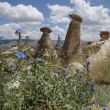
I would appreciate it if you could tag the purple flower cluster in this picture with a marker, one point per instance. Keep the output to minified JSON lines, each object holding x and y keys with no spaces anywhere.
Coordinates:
{"x":104,"y":108}
{"x":38,"y":59}
{"x":18,"y":31}
{"x":95,"y":101}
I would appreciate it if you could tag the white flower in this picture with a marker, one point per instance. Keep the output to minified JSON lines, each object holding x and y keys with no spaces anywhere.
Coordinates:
{"x":14,"y":84}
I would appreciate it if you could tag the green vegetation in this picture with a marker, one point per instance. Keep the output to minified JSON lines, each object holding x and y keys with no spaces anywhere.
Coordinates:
{"x":38,"y":84}
{"x":43,"y":84}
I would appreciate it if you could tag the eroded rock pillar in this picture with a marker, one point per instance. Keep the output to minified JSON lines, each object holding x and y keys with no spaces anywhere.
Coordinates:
{"x":71,"y":45}
{"x":104,"y":35}
{"x":45,"y":44}
{"x":58,"y":44}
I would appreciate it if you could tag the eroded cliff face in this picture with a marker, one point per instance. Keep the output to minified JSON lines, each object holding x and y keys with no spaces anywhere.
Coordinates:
{"x":102,"y":54}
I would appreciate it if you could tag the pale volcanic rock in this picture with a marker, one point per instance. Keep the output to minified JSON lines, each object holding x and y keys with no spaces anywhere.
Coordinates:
{"x":102,"y":53}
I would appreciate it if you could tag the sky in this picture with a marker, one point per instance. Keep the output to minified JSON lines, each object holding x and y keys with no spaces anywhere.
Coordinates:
{"x":31,"y":15}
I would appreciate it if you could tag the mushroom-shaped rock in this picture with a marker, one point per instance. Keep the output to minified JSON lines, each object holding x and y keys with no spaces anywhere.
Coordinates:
{"x":72,"y":42}
{"x":104,"y":35}
{"x":45,"y":44}
{"x":45,"y":30}
{"x":75,"y":17}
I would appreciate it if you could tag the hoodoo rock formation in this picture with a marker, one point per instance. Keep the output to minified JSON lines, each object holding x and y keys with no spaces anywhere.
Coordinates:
{"x":58,"y":44}
{"x":45,"y":44}
{"x":72,"y":42}
{"x":104,"y":35}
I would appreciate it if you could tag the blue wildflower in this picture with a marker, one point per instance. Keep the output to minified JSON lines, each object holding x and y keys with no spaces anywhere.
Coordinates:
{"x":96,"y":102}
{"x":20,"y":55}
{"x":18,"y":31}
{"x":68,"y":78}
{"x":39,"y":59}
{"x":30,"y":61}
{"x":104,"y":108}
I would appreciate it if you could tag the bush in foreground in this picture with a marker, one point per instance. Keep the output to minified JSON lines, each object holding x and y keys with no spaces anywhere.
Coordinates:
{"x":39,"y":85}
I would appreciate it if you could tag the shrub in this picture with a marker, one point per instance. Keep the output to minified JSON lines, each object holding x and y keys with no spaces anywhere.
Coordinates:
{"x":44,"y":86}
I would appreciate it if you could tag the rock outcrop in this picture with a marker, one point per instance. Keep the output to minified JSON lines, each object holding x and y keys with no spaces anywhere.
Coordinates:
{"x":102,"y":54}
{"x":72,"y":42}
{"x":44,"y":45}
{"x":104,"y":35}
{"x":58,"y":44}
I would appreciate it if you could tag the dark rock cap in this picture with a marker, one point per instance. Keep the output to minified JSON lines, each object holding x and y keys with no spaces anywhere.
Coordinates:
{"x":104,"y":34}
{"x":76,"y":17}
{"x":45,"y":29}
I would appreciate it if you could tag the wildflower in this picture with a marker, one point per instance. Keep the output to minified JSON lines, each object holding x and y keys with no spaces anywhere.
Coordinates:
{"x":95,"y":101}
{"x":18,"y":31}
{"x":20,"y":55}
{"x":5,"y":75}
{"x":77,"y":70}
{"x":56,"y":73}
{"x":104,"y":108}
{"x":14,"y":84}
{"x":29,"y":67}
{"x":91,"y":86}
{"x":13,"y":68}
{"x":65,"y":70}
{"x":39,"y":59}
{"x":93,"y":89}
{"x":30,"y":61}
{"x":68,"y":78}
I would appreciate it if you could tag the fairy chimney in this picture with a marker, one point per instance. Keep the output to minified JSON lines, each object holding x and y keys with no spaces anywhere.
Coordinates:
{"x":44,"y":44}
{"x":104,"y":35}
{"x":72,"y":42}
{"x":58,"y":44}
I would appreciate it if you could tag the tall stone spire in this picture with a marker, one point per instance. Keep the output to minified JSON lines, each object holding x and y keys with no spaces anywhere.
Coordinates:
{"x":58,"y":44}
{"x":72,"y":42}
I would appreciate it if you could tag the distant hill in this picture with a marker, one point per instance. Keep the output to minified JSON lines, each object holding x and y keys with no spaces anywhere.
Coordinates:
{"x":6,"y":44}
